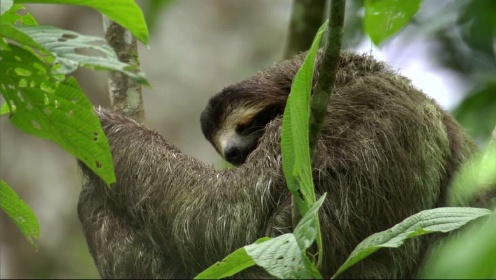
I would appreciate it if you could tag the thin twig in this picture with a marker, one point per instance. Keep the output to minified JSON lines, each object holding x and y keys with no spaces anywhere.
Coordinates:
{"x":327,"y":71}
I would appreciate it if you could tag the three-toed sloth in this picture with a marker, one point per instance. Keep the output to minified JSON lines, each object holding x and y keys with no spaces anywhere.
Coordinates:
{"x":386,"y":151}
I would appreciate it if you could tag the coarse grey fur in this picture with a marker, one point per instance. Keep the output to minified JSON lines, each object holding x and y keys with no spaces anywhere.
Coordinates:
{"x":386,"y":152}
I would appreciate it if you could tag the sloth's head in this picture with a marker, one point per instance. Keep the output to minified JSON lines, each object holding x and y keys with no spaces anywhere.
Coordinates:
{"x":234,"y":119}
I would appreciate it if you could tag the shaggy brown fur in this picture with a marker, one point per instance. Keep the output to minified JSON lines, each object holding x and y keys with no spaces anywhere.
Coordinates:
{"x":386,"y":152}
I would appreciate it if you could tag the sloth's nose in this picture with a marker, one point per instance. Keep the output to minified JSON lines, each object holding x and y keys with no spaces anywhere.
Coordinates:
{"x":234,"y":155}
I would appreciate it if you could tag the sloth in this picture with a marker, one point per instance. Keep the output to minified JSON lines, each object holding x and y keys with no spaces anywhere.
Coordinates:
{"x":386,"y":151}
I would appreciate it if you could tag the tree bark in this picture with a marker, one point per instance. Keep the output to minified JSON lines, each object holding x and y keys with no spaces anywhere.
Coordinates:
{"x":125,"y":94}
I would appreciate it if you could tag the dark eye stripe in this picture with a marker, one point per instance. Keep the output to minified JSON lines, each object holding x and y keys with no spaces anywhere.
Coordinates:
{"x":259,"y":121}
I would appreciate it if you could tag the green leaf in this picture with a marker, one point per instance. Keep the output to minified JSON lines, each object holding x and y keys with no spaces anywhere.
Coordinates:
{"x":477,"y":111}
{"x":22,"y":215}
{"x":477,"y":26}
{"x":17,"y":15}
{"x":471,"y":255}
{"x":295,"y":148}
{"x":235,"y":262}
{"x":306,"y":230}
{"x":230,"y":265}
{"x":64,"y":43}
{"x":49,"y":109}
{"x":4,"y":110}
{"x":5,"y":5}
{"x":124,"y":12}
{"x":476,"y":176}
{"x":282,"y":258}
{"x":12,"y":32}
{"x":383,"y":18}
{"x":435,"y":220}
{"x":294,"y":143}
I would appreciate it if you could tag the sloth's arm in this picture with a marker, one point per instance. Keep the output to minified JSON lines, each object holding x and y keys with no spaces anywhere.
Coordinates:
{"x":171,"y":201}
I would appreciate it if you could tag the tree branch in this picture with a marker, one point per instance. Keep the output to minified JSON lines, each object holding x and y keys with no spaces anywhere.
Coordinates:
{"x":327,"y":71}
{"x":306,"y":18}
{"x":125,"y":94}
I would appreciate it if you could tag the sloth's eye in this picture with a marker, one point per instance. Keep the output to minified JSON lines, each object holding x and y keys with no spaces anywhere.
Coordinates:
{"x":259,"y":121}
{"x":249,"y":127}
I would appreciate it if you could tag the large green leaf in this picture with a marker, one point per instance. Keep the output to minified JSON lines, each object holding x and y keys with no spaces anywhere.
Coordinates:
{"x":16,"y":15}
{"x":124,"y":12}
{"x":306,"y":230}
{"x":428,"y":221}
{"x":281,"y":257}
{"x":235,"y":262}
{"x":63,"y":44}
{"x":19,"y":212}
{"x":294,"y":143}
{"x":478,"y":27}
{"x":9,"y":31}
{"x":478,"y":111}
{"x":295,"y":148}
{"x":383,"y":18}
{"x":54,"y":110}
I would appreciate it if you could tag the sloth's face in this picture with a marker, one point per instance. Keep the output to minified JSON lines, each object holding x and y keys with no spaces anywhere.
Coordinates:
{"x":237,"y":132}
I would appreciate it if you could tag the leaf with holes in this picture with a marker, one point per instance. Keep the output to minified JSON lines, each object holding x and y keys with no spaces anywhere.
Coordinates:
{"x":16,"y":15}
{"x":235,"y":262}
{"x":282,"y":258}
{"x":124,"y":12}
{"x":63,"y":44}
{"x":306,"y":230}
{"x":49,"y":109}
{"x":22,"y":215}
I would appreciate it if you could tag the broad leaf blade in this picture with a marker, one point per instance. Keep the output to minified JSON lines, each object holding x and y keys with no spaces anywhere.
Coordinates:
{"x":22,"y":215}
{"x":235,"y":262}
{"x":63,"y":44}
{"x":53,"y":110}
{"x":306,"y":230}
{"x":477,"y":110}
{"x":281,"y":258}
{"x":428,"y":221}
{"x":10,"y":31}
{"x":17,"y":15}
{"x":294,"y":144}
{"x":124,"y":12}
{"x":383,"y":18}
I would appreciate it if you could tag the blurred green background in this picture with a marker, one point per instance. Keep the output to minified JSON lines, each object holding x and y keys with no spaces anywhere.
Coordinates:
{"x":197,"y":48}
